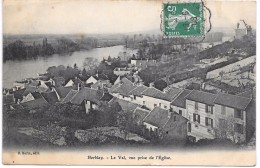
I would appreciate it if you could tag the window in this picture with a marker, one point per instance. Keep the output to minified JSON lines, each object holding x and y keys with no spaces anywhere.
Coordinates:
{"x":123,"y":97}
{"x":196,"y":106}
{"x":239,"y":114}
{"x":223,"y":110}
{"x":209,"y":122}
{"x":134,"y":97}
{"x":209,"y":109}
{"x":160,"y":104}
{"x":143,"y":102}
{"x":131,"y":99}
{"x":239,"y":128}
{"x":171,"y":110}
{"x":180,"y":112}
{"x":155,"y":105}
{"x":196,"y":118}
{"x":165,"y":107}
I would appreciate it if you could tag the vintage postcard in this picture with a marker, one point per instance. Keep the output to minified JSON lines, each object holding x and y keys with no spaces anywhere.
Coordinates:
{"x":163,"y":82}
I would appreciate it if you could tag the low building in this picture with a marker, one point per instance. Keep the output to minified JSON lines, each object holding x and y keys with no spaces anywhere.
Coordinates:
{"x":167,"y":125}
{"x":92,"y":80}
{"x":141,"y":64}
{"x":123,"y":71}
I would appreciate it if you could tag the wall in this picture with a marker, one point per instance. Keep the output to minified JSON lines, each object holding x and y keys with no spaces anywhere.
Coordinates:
{"x":176,"y":109}
{"x":27,"y":98}
{"x":149,"y":126}
{"x":200,"y":130}
{"x":150,"y":101}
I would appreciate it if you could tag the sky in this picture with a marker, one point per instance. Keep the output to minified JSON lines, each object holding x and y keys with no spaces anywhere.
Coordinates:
{"x":107,"y":16}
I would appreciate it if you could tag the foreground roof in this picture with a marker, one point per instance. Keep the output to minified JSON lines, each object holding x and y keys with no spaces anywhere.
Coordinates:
{"x":157,"y":117}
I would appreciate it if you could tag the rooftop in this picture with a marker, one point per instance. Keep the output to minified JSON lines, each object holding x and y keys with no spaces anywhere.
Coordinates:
{"x":180,"y":100}
{"x":202,"y":97}
{"x":86,"y":94}
{"x":233,"y":101}
{"x":50,"y":97}
{"x":158,"y":117}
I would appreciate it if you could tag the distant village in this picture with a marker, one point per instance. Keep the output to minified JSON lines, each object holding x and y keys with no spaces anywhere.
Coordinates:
{"x":191,"y":108}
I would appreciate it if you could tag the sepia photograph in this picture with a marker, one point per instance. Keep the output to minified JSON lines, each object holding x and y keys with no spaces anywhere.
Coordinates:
{"x":126,"y":82}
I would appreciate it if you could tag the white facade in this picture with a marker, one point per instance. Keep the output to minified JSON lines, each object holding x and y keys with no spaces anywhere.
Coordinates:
{"x":179,"y":110}
{"x":91,"y":80}
{"x":69,"y":84}
{"x":199,"y":129}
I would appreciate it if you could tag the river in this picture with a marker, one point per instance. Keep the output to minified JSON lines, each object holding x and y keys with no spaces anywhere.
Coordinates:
{"x":18,"y":70}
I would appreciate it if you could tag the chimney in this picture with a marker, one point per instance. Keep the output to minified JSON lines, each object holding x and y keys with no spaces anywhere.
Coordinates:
{"x":78,"y":86}
{"x":151,"y":84}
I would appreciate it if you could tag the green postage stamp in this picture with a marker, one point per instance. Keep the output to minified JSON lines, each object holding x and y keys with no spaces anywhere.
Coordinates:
{"x":183,"y":19}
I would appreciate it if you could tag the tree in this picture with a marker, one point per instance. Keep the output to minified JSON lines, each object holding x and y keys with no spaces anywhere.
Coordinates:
{"x":160,"y":84}
{"x":225,"y":128}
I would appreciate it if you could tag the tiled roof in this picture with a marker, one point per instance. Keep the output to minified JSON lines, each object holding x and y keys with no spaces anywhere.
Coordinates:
{"x":63,"y":91}
{"x":158,"y":117}
{"x":100,"y":83}
{"x":124,"y":87}
{"x":69,"y":96}
{"x":31,"y":89}
{"x":232,"y":101}
{"x":126,"y":105}
{"x":86,"y":94}
{"x":180,"y":100}
{"x":138,"y":90}
{"x":247,"y":94}
{"x":16,"y":106}
{"x":35,"y":103}
{"x":179,"y":119}
{"x":50,"y":97}
{"x":36,"y":95}
{"x":202,"y":97}
{"x":106,"y":97}
{"x":140,"y":113}
{"x":172,"y":93}
{"x":153,"y":92}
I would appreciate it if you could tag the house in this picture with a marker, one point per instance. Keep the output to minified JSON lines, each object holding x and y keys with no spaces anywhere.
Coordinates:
{"x":75,"y":83}
{"x":167,"y":125}
{"x":87,"y":97}
{"x":123,"y":71}
{"x":121,"y":90}
{"x":92,"y":80}
{"x":62,"y":92}
{"x":136,"y":94}
{"x":139,"y":114}
{"x":141,"y":64}
{"x":101,"y":84}
{"x":126,"y":106}
{"x":33,"y":105}
{"x":30,"y":89}
{"x":175,"y":129}
{"x":153,"y":97}
{"x":200,"y":113}
{"x":178,"y":105}
{"x":31,"y":96}
{"x":50,"y":97}
{"x":156,"y":119}
{"x":232,"y":113}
